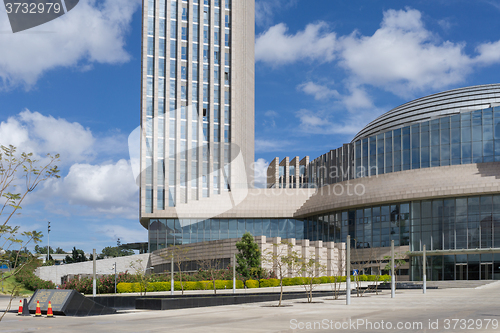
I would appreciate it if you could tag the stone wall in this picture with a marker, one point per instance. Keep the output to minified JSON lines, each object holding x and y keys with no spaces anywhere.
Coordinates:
{"x":103,"y":267}
{"x":330,"y":254}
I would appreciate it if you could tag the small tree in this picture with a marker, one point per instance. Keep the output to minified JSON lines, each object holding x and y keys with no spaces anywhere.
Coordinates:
{"x":337,"y":280}
{"x":310,"y":269}
{"x":179,"y":253}
{"x":284,"y":261}
{"x":362,"y":259}
{"x":399,"y":260}
{"x":13,"y":168}
{"x":140,"y":275}
{"x":210,"y":266}
{"x":378,"y":261}
{"x":249,"y":256}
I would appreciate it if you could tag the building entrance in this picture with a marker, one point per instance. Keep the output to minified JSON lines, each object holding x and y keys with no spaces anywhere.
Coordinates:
{"x":459,"y":267}
{"x":461,"y":272}
{"x":486,"y":271}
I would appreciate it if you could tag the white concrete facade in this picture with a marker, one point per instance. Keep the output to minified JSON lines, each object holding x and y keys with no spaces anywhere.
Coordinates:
{"x":197,"y":102}
{"x":330,"y":255}
{"x":103,"y":267}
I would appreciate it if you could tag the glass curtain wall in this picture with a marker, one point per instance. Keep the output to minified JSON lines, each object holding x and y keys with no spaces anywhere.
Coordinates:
{"x":168,"y":232}
{"x":469,"y":137}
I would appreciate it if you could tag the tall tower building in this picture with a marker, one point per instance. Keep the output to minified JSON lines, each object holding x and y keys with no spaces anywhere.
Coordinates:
{"x":197,"y":101}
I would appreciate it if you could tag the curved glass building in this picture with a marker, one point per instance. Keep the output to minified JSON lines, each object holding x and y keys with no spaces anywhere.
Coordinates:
{"x":425,"y":173}
{"x":450,"y":128}
{"x":429,"y":175}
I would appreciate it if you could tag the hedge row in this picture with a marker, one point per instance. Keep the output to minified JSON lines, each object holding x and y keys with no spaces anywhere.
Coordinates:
{"x":189,"y":285}
{"x":228,"y":284}
{"x":263,"y":283}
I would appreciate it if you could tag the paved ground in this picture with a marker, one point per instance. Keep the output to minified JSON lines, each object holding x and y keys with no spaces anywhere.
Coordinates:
{"x":472,"y":309}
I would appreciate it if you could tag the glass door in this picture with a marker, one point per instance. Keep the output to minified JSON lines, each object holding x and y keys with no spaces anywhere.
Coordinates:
{"x":486,"y":271}
{"x":461,"y":272}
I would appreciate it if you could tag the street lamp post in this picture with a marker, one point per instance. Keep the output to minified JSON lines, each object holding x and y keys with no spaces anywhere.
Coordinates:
{"x":115,"y":277}
{"x":172,"y":275}
{"x":94,"y":282}
{"x":393,"y":278}
{"x":48,"y":241}
{"x":234,"y":273}
{"x":424,"y":286}
{"x":348,"y":271}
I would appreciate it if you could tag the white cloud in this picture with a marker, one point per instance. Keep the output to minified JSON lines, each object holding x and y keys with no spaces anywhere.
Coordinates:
{"x":270,"y":118}
{"x":93,"y":32}
{"x":262,"y":145}
{"x":445,"y":24}
{"x":271,"y":114}
{"x":318,"y":91}
{"x":277,"y":47}
{"x":260,"y":172}
{"x":104,"y":189}
{"x":39,"y":134}
{"x":357,"y":100}
{"x":402,"y":56}
{"x":85,"y":188}
{"x":322,"y":122}
{"x":127,"y":234}
{"x":265,"y":9}
{"x":489,"y":53}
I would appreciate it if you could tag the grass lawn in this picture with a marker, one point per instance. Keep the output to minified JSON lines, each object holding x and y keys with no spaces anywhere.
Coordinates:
{"x":10,"y":283}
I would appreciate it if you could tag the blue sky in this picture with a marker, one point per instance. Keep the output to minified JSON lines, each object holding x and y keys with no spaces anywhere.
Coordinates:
{"x":324,"y":69}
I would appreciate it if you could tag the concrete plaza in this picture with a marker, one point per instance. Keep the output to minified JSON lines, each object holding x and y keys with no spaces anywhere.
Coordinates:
{"x":440,"y":310}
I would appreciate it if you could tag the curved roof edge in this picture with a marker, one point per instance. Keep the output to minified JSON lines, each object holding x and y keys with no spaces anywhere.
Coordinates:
{"x":434,"y":106}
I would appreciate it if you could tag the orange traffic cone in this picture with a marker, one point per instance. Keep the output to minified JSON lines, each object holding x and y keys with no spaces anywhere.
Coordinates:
{"x":49,"y":311}
{"x":20,"y":311}
{"x":38,"y":312}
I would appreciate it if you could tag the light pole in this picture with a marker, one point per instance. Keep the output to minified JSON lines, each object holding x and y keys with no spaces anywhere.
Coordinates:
{"x":393,"y":278}
{"x":48,"y":241}
{"x":172,"y":275}
{"x":424,"y":286}
{"x":348,"y":269}
{"x":94,"y":282}
{"x":234,"y":273}
{"x":115,"y":275}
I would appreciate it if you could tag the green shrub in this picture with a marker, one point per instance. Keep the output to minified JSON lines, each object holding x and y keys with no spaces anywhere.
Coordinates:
{"x":191,"y":285}
{"x":161,"y":286}
{"x":340,"y":278}
{"x":252,"y":284}
{"x":32,"y":282}
{"x":269,"y":283}
{"x":124,"y":287}
{"x":385,"y":278}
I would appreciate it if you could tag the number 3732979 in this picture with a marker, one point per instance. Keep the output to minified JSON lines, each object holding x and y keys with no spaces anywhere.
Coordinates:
{"x":33,"y":8}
